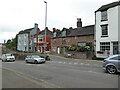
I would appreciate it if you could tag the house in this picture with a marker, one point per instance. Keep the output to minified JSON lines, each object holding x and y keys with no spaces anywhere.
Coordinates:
{"x":107,"y":30}
{"x":25,"y":40}
{"x":79,"y":36}
{"x":43,"y":42}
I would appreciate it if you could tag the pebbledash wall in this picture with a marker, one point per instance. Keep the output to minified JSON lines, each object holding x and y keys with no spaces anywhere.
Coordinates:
{"x":113,"y":23}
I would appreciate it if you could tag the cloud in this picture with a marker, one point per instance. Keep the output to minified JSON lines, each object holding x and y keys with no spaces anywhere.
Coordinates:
{"x":18,"y":15}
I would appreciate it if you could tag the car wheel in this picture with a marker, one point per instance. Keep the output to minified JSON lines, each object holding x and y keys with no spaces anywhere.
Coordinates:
{"x":35,"y":62}
{"x":111,"y":69}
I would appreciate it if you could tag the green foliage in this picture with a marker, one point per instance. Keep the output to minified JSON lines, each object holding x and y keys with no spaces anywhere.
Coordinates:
{"x":73,"y":47}
{"x":12,"y":44}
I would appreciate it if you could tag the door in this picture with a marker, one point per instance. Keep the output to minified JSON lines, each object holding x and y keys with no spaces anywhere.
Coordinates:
{"x":115,"y":48}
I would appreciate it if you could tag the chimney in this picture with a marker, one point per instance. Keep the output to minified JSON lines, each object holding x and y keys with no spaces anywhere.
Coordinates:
{"x":54,"y":30}
{"x":36,"y":25}
{"x":79,"y":22}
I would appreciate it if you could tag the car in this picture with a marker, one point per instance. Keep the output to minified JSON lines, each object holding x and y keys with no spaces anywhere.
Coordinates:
{"x":34,"y":59}
{"x":112,"y":64}
{"x":8,"y":57}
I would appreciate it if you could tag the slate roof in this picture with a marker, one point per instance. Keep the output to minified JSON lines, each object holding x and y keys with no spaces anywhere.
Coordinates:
{"x":82,"y":31}
{"x":25,"y":31}
{"x":48,"y":32}
{"x":74,"y":32}
{"x":105,"y":7}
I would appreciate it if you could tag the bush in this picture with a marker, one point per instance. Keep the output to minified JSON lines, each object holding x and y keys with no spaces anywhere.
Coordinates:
{"x":73,"y":47}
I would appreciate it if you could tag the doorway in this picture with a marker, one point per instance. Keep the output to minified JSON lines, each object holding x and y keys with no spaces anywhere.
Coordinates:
{"x":115,"y":48}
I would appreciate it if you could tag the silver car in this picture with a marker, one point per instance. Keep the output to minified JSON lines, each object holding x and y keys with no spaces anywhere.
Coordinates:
{"x":34,"y":59}
{"x":112,"y":64}
{"x":8,"y":57}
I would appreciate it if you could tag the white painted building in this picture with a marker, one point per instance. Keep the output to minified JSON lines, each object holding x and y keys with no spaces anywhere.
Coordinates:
{"x":107,"y":30}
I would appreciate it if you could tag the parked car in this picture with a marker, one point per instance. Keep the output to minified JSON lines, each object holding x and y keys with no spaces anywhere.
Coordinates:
{"x":8,"y":57}
{"x":34,"y":59}
{"x":112,"y":64}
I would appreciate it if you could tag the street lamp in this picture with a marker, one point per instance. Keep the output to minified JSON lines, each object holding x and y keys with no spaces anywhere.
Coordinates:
{"x":45,"y":24}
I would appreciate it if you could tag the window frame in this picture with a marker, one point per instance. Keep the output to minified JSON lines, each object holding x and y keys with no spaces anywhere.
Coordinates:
{"x":104,"y":30}
{"x":104,"y":15}
{"x":106,"y":46}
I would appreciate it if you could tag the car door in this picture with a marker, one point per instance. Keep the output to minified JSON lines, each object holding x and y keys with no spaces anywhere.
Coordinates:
{"x":31,"y":59}
{"x":28,"y":58}
{"x":118,"y":62}
{"x":3,"y":57}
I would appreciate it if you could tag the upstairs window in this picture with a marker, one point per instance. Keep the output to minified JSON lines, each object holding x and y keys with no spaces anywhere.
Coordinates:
{"x":104,"y":16}
{"x":104,"y":29}
{"x":64,"y":33}
{"x":55,"y":34}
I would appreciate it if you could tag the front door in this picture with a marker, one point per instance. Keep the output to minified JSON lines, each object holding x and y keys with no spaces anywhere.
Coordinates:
{"x":115,"y":48}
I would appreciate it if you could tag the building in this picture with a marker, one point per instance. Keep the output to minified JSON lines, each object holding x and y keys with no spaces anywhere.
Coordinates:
{"x":79,"y":36}
{"x":26,"y":39}
{"x":39,"y":40}
{"x":107,"y":30}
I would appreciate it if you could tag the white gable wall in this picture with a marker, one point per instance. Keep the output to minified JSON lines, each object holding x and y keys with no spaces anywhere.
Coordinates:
{"x":113,"y":29}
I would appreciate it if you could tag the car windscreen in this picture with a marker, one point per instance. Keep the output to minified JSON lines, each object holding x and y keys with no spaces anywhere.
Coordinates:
{"x":36,"y":56}
{"x":8,"y":55}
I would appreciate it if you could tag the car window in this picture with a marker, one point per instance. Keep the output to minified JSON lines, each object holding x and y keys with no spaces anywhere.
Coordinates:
{"x":28,"y":56}
{"x":35,"y":56}
{"x":115,"y":58}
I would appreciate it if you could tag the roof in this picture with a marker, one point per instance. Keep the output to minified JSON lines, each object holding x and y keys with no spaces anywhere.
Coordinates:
{"x":74,"y":32}
{"x":26,"y":31}
{"x":105,"y":7}
{"x":82,"y":31}
{"x":48,"y":32}
{"x":88,"y":30}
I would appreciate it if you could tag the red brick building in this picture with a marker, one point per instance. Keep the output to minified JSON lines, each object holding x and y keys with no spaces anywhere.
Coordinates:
{"x":39,"y":40}
{"x":66,"y":37}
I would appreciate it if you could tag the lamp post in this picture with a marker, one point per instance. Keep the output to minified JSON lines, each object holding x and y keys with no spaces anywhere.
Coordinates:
{"x":45,"y":25}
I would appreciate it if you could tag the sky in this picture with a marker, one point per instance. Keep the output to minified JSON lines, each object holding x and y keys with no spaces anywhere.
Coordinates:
{"x":17,"y":15}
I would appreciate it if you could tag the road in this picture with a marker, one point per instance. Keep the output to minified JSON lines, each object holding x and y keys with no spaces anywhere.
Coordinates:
{"x":58,"y":73}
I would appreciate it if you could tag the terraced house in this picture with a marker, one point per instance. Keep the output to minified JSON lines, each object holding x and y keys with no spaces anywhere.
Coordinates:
{"x":79,"y":36}
{"x":25,"y":40}
{"x":107,"y":30}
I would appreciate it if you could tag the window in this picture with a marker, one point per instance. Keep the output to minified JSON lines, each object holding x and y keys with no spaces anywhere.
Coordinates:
{"x":115,"y":58}
{"x":104,"y":30}
{"x":63,"y":41}
{"x":104,"y":15}
{"x":104,"y":46}
{"x":64,"y":33}
{"x":54,"y":41}
{"x":55,"y":34}
{"x":40,"y":38}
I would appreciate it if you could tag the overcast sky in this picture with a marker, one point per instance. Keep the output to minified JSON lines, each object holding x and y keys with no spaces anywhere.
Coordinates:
{"x":16,"y":15}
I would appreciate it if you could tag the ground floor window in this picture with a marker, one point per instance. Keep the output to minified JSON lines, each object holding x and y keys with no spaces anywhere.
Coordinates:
{"x":104,"y":46}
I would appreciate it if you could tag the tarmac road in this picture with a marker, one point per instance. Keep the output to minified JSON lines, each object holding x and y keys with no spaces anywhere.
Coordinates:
{"x":58,"y":73}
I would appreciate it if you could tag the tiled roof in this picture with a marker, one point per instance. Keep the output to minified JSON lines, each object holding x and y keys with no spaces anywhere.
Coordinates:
{"x":105,"y":7}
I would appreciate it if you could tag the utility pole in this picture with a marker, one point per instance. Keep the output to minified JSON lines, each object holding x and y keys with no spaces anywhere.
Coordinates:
{"x":45,"y":45}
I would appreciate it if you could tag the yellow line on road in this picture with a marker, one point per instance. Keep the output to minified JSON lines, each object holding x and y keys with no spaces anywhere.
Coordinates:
{"x":28,"y":77}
